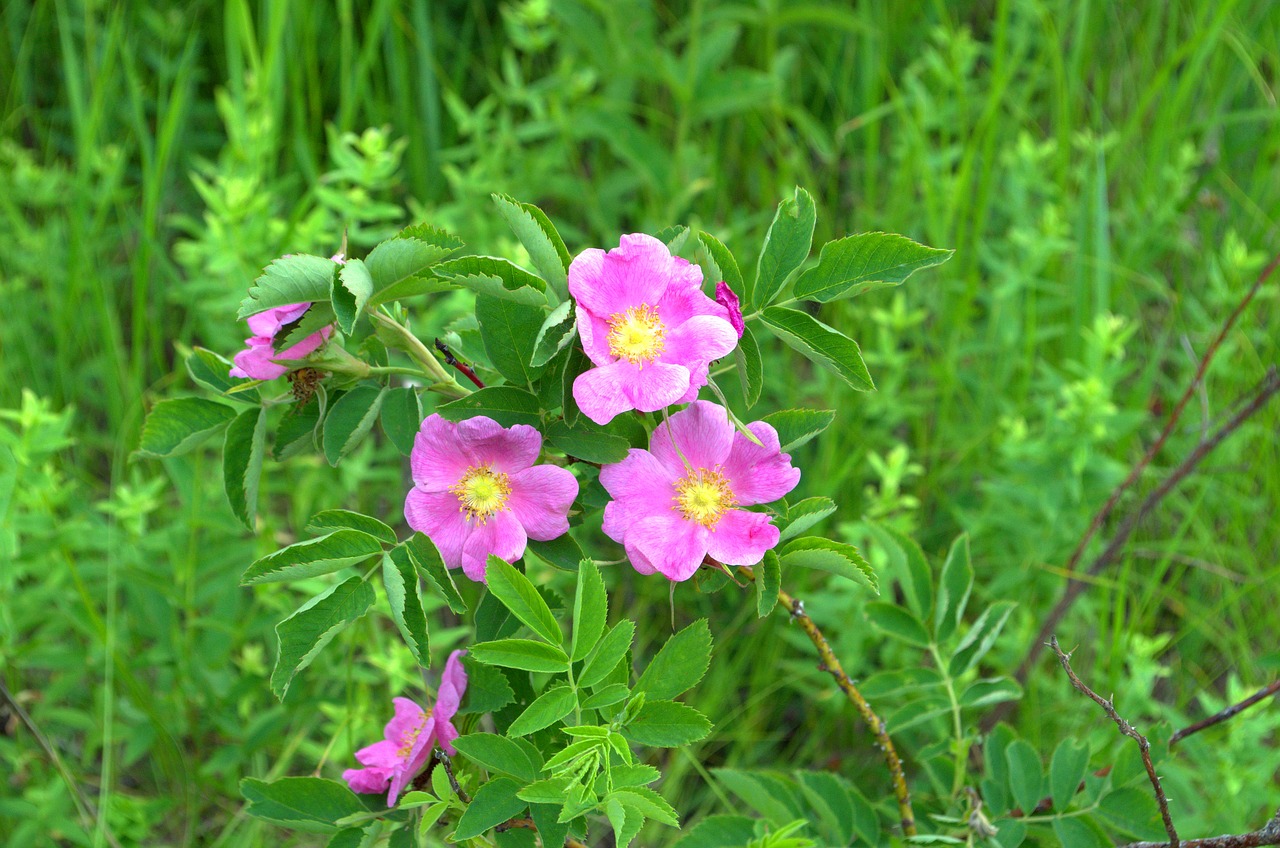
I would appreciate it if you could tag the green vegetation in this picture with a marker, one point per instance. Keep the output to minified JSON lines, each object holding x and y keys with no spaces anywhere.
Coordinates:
{"x":1106,"y":175}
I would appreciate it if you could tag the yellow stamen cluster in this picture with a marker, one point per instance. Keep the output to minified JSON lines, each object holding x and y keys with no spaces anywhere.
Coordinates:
{"x":407,"y":740}
{"x":704,"y":496}
{"x":482,"y":492}
{"x":637,"y":334}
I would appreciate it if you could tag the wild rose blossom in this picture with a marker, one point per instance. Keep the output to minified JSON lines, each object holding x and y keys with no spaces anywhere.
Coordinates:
{"x":477,"y":492}
{"x":726,"y":298}
{"x":678,"y":501}
{"x":410,"y":736}
{"x":256,"y":360}
{"x":646,"y":326}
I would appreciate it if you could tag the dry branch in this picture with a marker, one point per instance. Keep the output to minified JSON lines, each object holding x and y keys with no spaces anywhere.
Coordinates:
{"x":1223,"y":715}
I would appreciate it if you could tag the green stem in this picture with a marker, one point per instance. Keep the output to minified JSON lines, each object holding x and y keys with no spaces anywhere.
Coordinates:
{"x":418,"y":352}
{"x":957,"y":727}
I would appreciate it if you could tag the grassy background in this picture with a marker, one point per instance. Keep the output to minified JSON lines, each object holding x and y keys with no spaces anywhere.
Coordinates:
{"x":1106,"y":174}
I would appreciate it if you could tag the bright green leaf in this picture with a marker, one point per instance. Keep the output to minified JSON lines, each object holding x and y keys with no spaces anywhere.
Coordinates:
{"x":404,"y":595}
{"x":329,"y":520}
{"x":350,"y":420}
{"x":510,"y":332}
{"x":539,"y":237}
{"x":797,"y":426}
{"x":852,"y":265}
{"x":242,"y":454}
{"x":667,"y":724}
{"x":827,"y":555}
{"x":607,"y":654}
{"x":518,"y":594}
{"x":312,"y":557}
{"x":786,"y":246}
{"x":523,"y":654}
{"x":303,"y":634}
{"x":288,"y":280}
{"x":494,"y":803}
{"x":803,"y":515}
{"x":821,"y":344}
{"x":497,"y":753}
{"x":590,"y":609}
{"x":680,"y":664}
{"x":768,"y":582}
{"x":546,"y":710}
{"x":174,"y":427}
{"x":953,"y":588}
{"x":351,"y":290}
{"x":212,"y":371}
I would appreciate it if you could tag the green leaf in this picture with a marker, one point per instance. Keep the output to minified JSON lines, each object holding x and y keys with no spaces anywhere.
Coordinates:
{"x":1066,"y":770}
{"x":546,"y":816}
{"x":242,"y":454}
{"x":803,"y":515}
{"x":898,"y":623}
{"x":674,"y":237}
{"x":797,"y":426}
{"x":350,"y":420}
{"x":719,"y":831}
{"x":836,"y":801}
{"x":562,"y":552}
{"x":329,"y":520}
{"x":425,"y":283}
{"x":303,"y":634}
{"x":315,"y":319}
{"x":296,"y":431}
{"x":724,"y":263}
{"x":988,"y":691}
{"x":309,"y":804}
{"x":649,"y":803}
{"x":348,"y":837}
{"x":1133,"y":810}
{"x":288,"y":280}
{"x":680,"y":664}
{"x":607,"y":654}
{"x":1026,"y":777}
{"x":590,"y":609}
{"x":587,"y":441}
{"x":505,"y":404}
{"x":523,"y":654}
{"x":497,"y":753}
{"x":497,"y":278}
{"x":821,"y":344}
{"x":432,"y":234}
{"x":831,"y":556}
{"x":174,"y":427}
{"x":852,"y":265}
{"x":404,"y":595}
{"x":760,"y":792}
{"x":786,"y":246}
{"x":538,"y":235}
{"x":397,"y":261}
{"x":953,"y":589}
{"x":401,"y":417}
{"x":667,"y":724}
{"x":1012,"y":833}
{"x":558,"y":330}
{"x":609,"y":695}
{"x":518,"y":594}
{"x":494,"y":803}
{"x":980,"y":638}
{"x":546,"y":710}
{"x":313,"y":557}
{"x":212,"y":371}
{"x":430,"y":565}
{"x":487,"y":688}
{"x":750,"y":367}
{"x":351,"y":290}
{"x":768,"y":582}
{"x":510,"y":332}
{"x":917,"y":582}
{"x":1080,"y":832}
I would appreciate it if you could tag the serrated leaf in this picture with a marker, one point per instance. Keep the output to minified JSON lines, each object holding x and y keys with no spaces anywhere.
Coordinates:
{"x":290,"y":279}
{"x":590,"y":609}
{"x":648,"y":802}
{"x":546,"y":710}
{"x":212,"y":371}
{"x":309,"y":804}
{"x":497,"y":753}
{"x":174,"y":427}
{"x":954,"y":586}
{"x":315,"y":319}
{"x":350,"y":420}
{"x":750,"y":367}
{"x":821,"y":344}
{"x":827,"y":555}
{"x":352,"y":287}
{"x":330,"y":520}
{"x":724,"y":261}
{"x":518,"y":594}
{"x":303,"y":634}
{"x":680,"y":664}
{"x":786,"y":246}
{"x":494,"y":803}
{"x":558,"y":330}
{"x":400,"y":578}
{"x":804,"y":515}
{"x":852,"y":265}
{"x":545,"y":816}
{"x":510,"y":331}
{"x":242,"y":453}
{"x":549,"y":790}
{"x":980,"y":638}
{"x":432,"y":234}
{"x":562,"y":552}
{"x":667,"y":724}
{"x":768,"y":582}
{"x":296,"y":431}
{"x":607,"y":653}
{"x":797,"y":426}
{"x":313,"y":557}
{"x":494,"y":277}
{"x":402,"y":417}
{"x":539,"y":237}
{"x":431,"y":566}
{"x":523,"y":654}
{"x":609,"y":695}
{"x":505,"y":404}
{"x":897,"y":622}
{"x":1066,"y":770}
{"x":399,"y":260}
{"x":674,"y":237}
{"x":487,"y":688}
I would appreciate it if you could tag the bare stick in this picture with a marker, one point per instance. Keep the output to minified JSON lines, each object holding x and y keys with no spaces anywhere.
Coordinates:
{"x":877,"y":726}
{"x":1128,"y":730}
{"x":1229,"y":712}
{"x":1268,"y":834}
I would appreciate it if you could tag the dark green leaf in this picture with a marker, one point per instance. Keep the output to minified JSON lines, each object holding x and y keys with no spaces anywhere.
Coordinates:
{"x":1133,"y":810}
{"x":315,"y":319}
{"x":431,"y":566}
{"x":404,"y":595}
{"x":768,"y":582}
{"x":498,"y":278}
{"x":290,"y":279}
{"x":953,"y":588}
{"x":719,"y":831}
{"x":725,"y":263}
{"x":897,"y":622}
{"x":607,"y":653}
{"x":917,"y":580}
{"x":494,"y":803}
{"x":313,"y":557}
{"x":853,"y":265}
{"x":750,"y":367}
{"x":786,"y":246}
{"x":351,"y":290}
{"x":667,"y":724}
{"x":834,"y":799}
{"x":587,"y":441}
{"x":174,"y":427}
{"x":797,"y":426}
{"x":1066,"y":770}
{"x":518,"y":594}
{"x":523,"y":654}
{"x":309,"y":804}
{"x":505,"y":404}
{"x":558,"y":330}
{"x":432,"y":234}
{"x":337,"y":519}
{"x":487,"y":688}
{"x":546,"y":710}
{"x":803,"y":515}
{"x":562,"y":552}
{"x":680,"y":664}
{"x":546,"y":816}
{"x":510,"y":331}
{"x":1079,"y":832}
{"x":538,"y":235}
{"x":350,"y":420}
{"x":303,"y":634}
{"x":1026,"y":777}
{"x":497,"y":753}
{"x":212,"y":371}
{"x":402,"y":417}
{"x":297,"y":429}
{"x":827,"y":555}
{"x":759,"y":791}
{"x":590,"y":609}
{"x":242,"y":455}
{"x":821,"y":344}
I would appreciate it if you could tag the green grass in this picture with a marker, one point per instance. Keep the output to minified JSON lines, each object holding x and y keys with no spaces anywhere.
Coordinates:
{"x":1084,"y":160}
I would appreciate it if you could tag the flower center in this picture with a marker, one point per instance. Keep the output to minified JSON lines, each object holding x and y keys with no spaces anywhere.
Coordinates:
{"x":636,"y":335}
{"x":407,"y":739}
{"x":704,"y":496}
{"x":482,"y":492}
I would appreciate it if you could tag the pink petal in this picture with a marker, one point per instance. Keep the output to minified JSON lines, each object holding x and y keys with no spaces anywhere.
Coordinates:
{"x":307,"y":345}
{"x":758,"y":474}
{"x":593,"y":331}
{"x":634,"y":273}
{"x":698,"y":340}
{"x":684,"y":300}
{"x":437,"y":515}
{"x":438,"y":459}
{"x":701,"y":432}
{"x":502,"y":536}
{"x":409,"y":768}
{"x":616,"y":521}
{"x":384,"y":754}
{"x":367,"y":781}
{"x":445,"y":734}
{"x":726,"y":298}
{"x":268,"y":323}
{"x":673,"y":546}
{"x":598,"y":392}
{"x":540,"y":498}
{"x":453,"y":684}
{"x":655,"y":386}
{"x":741,"y":537}
{"x":406,"y":723}
{"x":639,"y":561}
{"x":698,"y":376}
{"x":255,"y":361}
{"x":639,"y":482}
{"x":507,"y":449}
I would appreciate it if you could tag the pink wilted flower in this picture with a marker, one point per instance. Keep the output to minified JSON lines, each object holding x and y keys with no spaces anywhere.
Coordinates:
{"x":256,"y":360}
{"x":410,"y":736}
{"x":677,"y":502}
{"x":726,"y":298}
{"x":477,"y":492}
{"x":646,"y":326}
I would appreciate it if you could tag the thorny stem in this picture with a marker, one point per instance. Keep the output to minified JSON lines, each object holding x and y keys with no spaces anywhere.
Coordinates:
{"x":1268,"y":834}
{"x":1229,"y":712}
{"x":455,"y":362}
{"x":832,"y":665}
{"x":1128,"y":730}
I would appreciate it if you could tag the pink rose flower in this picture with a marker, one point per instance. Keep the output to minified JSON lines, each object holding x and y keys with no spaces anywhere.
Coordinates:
{"x":256,"y":360}
{"x":646,"y":325}
{"x":677,"y":502}
{"x":410,"y":736}
{"x":726,"y":298}
{"x":477,"y":492}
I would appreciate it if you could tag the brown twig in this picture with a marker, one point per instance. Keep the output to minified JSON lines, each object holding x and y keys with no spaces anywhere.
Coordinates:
{"x":455,"y":362}
{"x":1229,"y":712}
{"x":877,"y":726}
{"x":443,"y":759}
{"x":1268,"y":834}
{"x":1128,"y":730}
